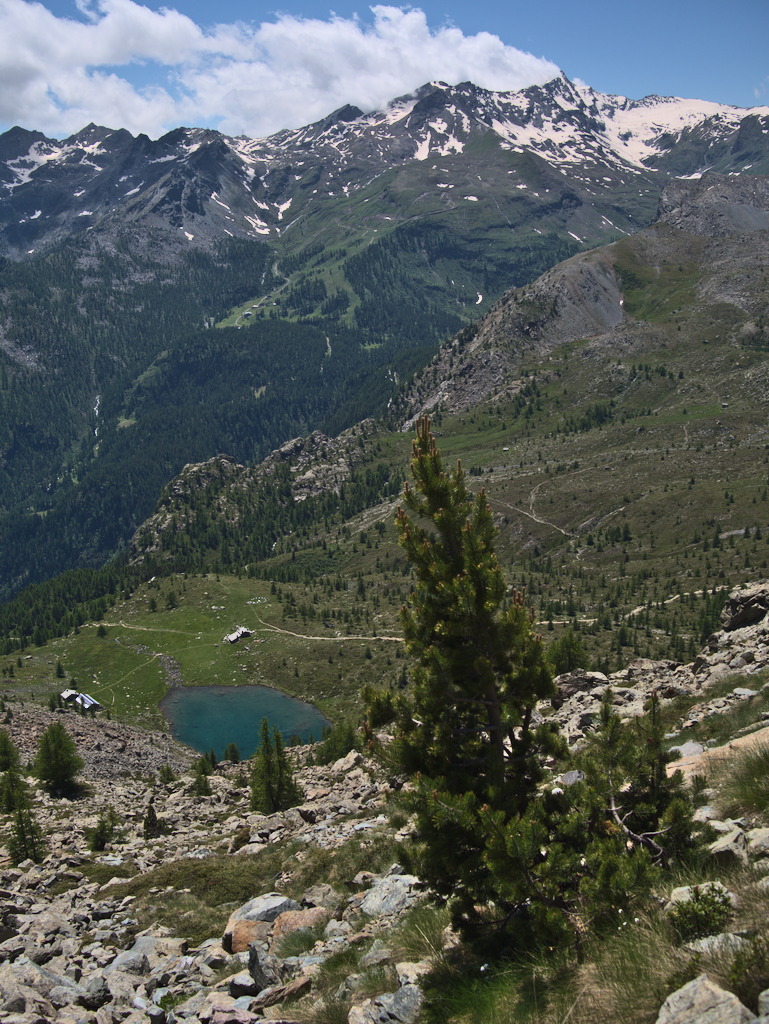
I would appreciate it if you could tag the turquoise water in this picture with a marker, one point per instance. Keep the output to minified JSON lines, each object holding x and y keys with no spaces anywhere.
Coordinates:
{"x":213,"y":716}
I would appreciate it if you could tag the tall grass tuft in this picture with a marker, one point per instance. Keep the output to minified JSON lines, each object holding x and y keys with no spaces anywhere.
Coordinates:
{"x":743,"y":781}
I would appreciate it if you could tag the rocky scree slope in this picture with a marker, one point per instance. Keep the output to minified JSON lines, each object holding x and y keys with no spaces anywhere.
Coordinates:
{"x":73,"y":951}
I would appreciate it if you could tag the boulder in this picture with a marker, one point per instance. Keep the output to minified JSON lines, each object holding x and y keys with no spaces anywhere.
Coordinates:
{"x":282,"y":993}
{"x":264,"y":968}
{"x":401,"y":1007}
{"x":731,"y":848}
{"x":758,"y":842}
{"x":745,"y":606}
{"x":726,"y":943}
{"x":243,"y":926}
{"x":703,"y":1002}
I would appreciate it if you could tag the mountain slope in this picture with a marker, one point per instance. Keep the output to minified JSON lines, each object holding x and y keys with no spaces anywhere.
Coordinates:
{"x":698,"y":268}
{"x":349,"y":248}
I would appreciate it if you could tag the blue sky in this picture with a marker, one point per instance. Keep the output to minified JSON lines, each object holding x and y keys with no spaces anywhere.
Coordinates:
{"x":250,"y":68}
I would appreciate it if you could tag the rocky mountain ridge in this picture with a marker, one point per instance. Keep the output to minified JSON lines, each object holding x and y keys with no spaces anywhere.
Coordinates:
{"x":203,"y":184}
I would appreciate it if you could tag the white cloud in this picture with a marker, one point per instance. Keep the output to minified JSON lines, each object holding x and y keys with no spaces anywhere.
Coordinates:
{"x":125,"y":66}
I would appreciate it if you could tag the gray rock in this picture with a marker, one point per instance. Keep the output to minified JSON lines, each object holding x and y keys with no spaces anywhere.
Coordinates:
{"x":130,"y":961}
{"x":402,"y":1007}
{"x":243,"y":985}
{"x":322,"y":895}
{"x":702,"y":1002}
{"x":688,"y":749}
{"x":264,"y":968}
{"x":378,"y":954}
{"x":95,"y":992}
{"x":726,"y":942}
{"x":731,"y":848}
{"x":758,"y":842}
{"x":705,"y":813}
{"x":390,"y":895}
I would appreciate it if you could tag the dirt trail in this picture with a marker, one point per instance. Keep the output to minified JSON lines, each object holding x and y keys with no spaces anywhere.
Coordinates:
{"x":269,"y":628}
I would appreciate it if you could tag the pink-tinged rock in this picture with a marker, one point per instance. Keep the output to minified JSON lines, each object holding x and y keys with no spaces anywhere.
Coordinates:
{"x":294,"y":920}
{"x":242,"y":934}
{"x":233,"y":1016}
{"x":282,"y":993}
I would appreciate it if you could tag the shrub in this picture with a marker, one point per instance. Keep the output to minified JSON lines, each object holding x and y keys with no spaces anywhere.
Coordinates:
{"x":104,"y":829}
{"x":749,"y":974}
{"x":337,"y":742}
{"x":706,"y":912}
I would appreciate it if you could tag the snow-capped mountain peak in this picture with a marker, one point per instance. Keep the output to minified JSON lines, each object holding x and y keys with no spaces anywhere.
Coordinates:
{"x":205,"y":184}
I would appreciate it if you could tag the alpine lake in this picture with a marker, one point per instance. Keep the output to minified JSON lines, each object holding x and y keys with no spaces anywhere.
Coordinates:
{"x":210,"y":717}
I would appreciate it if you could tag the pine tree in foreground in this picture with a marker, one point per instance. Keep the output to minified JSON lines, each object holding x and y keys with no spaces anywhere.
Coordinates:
{"x":480,"y":669}
{"x":492,"y":836}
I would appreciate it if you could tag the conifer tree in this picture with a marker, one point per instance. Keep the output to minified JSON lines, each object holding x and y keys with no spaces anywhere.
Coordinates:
{"x":480,"y":671}
{"x":545,"y":859}
{"x":9,"y":754}
{"x":152,"y":825}
{"x":13,"y":791}
{"x":200,"y":785}
{"x":232,"y":753}
{"x":26,"y":840}
{"x":273,"y":787}
{"x":57,"y":762}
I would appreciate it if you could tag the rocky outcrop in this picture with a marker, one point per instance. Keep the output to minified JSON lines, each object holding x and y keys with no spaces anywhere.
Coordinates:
{"x":741,"y":648}
{"x":715,"y":205}
{"x":703,"y":1002}
{"x":316,"y":464}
